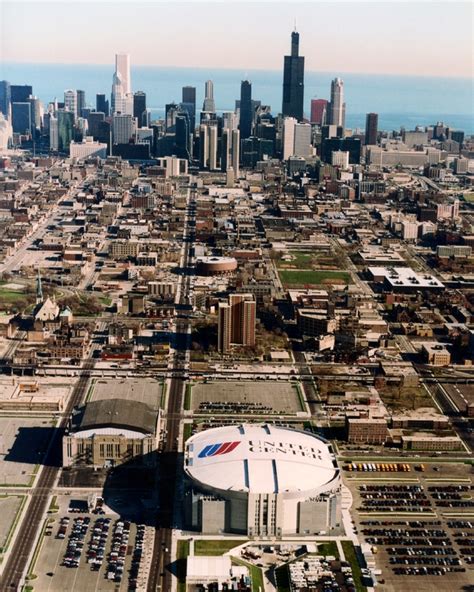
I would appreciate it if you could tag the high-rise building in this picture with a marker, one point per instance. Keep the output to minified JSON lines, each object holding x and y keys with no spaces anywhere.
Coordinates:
{"x":53,"y":133}
{"x":65,"y":130}
{"x":236,"y":152}
{"x":81,"y":102}
{"x":102,"y":104}
{"x":70,"y":101}
{"x":288,"y":140}
{"x":182,"y":135}
{"x":139,"y":108}
{"x":171,"y":111}
{"x":209,"y":104}
{"x":319,"y":111}
{"x":123,"y":128}
{"x":19,"y":93}
{"x":246,"y":110}
{"x":35,"y":106}
{"x":371,"y":124}
{"x":21,"y":117}
{"x":5,"y":98}
{"x":189,"y":104}
{"x":302,"y":142}
{"x":122,"y":98}
{"x":293,"y":81}
{"x":226,"y":145}
{"x":94,"y":119}
{"x":338,"y":107}
{"x":208,"y":146}
{"x":236,"y":322}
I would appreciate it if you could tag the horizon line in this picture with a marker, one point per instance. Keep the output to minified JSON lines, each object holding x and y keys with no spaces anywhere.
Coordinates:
{"x":359,"y":73}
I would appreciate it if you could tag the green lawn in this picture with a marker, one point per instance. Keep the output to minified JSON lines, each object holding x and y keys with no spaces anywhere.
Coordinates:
{"x":329,"y":548}
{"x":255,"y":573}
{"x":313,"y":278}
{"x":299,"y":260}
{"x":182,"y":553}
{"x":187,"y":397}
{"x":351,"y":557}
{"x":215,"y":547}
{"x":11,"y":295}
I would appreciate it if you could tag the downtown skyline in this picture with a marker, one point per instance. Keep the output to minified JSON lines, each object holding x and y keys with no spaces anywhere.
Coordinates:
{"x":357,"y":37}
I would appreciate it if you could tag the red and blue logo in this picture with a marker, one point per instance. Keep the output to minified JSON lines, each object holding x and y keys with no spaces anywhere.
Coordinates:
{"x":217,"y":449}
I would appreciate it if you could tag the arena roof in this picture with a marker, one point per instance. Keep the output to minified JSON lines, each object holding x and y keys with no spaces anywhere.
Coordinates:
{"x":127,"y":414}
{"x":257,"y":458}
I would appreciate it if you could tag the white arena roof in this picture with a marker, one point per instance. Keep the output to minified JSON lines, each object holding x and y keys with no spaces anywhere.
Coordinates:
{"x":256,"y":458}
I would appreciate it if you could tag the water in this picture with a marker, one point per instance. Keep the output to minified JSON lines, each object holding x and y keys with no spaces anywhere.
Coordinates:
{"x":400,"y":100}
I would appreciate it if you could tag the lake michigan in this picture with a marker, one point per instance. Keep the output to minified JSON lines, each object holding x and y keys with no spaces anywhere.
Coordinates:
{"x":399,"y":100}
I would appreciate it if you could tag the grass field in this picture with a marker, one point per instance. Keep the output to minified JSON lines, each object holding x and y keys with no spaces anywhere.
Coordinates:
{"x":314,"y":278}
{"x":215,"y":547}
{"x":255,"y":573}
{"x":182,"y":553}
{"x":351,"y":557}
{"x":299,"y":261}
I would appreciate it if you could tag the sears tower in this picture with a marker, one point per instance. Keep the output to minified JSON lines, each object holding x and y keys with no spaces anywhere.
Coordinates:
{"x":293,"y":81}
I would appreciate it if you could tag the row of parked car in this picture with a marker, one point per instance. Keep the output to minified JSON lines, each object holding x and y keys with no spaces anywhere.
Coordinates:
{"x":75,"y":545}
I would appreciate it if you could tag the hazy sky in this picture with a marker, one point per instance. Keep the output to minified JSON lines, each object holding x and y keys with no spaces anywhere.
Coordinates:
{"x":401,"y":37}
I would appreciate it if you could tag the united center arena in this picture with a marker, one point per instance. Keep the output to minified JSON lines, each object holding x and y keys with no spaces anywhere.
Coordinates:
{"x":261,"y":480}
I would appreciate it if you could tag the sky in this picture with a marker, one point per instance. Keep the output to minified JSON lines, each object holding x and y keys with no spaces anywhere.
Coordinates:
{"x":389,"y":37}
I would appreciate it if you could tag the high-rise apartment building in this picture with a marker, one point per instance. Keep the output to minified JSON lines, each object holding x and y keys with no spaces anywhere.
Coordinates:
{"x":5,"y":98}
{"x":319,"y":111}
{"x":139,"y":108}
{"x":209,"y":105}
{"x":293,"y":81}
{"x":338,"y":107}
{"x":246,"y":110}
{"x":70,"y":101}
{"x":236,"y":323}
{"x":371,"y":125}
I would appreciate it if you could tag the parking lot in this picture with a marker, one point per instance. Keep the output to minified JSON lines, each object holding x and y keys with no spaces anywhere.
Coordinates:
{"x":92,"y":552}
{"x":415,"y":525}
{"x":268,"y":397}
{"x":23,"y":442}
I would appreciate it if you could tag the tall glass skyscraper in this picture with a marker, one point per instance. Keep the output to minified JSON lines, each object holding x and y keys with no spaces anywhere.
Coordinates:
{"x":246,"y":110}
{"x":293,"y":81}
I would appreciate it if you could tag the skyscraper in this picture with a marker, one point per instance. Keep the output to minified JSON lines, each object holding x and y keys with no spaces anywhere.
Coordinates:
{"x":319,"y":111}
{"x":246,"y":111}
{"x":139,"y":108}
{"x":288,"y":137}
{"x":81,"y":101}
{"x":19,"y":93}
{"x":338,"y":107}
{"x":21,"y":117}
{"x":236,"y":323}
{"x":302,"y":142}
{"x":236,"y":152}
{"x":189,"y":104}
{"x":122,"y":99}
{"x":65,"y":130}
{"x":123,"y":128}
{"x":70,"y":101}
{"x":209,"y":104}
{"x":102,"y":104}
{"x":293,"y":81}
{"x":5,"y":98}
{"x":371,"y":124}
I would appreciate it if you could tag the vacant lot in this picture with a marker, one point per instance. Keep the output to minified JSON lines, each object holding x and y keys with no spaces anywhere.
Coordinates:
{"x":313,"y":278}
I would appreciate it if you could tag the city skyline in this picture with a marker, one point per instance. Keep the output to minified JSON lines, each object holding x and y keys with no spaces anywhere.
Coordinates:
{"x":446,"y":53}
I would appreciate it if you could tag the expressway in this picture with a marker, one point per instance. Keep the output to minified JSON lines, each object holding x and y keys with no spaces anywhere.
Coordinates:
{"x":160,"y":577}
{"x":17,"y":563}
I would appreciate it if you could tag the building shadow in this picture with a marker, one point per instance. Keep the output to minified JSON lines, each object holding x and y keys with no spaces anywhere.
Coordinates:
{"x":37,"y":445}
